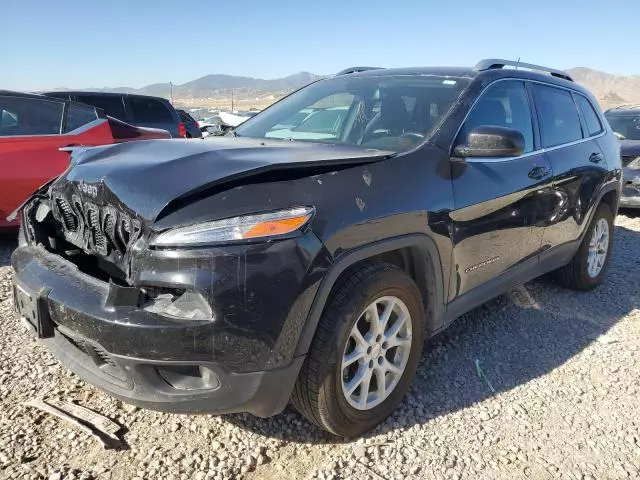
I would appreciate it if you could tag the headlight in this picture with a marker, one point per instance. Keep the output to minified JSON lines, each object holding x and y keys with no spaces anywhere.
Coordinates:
{"x":245,"y":227}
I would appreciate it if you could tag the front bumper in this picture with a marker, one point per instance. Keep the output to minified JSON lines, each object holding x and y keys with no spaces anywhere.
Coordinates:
{"x":144,"y":383}
{"x":242,"y":360}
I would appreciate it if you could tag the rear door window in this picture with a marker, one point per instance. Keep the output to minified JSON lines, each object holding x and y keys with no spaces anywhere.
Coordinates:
{"x":112,"y":105}
{"x":558,"y":116}
{"x":29,"y":116}
{"x":589,"y":114}
{"x":78,"y":116}
{"x":149,"y":110}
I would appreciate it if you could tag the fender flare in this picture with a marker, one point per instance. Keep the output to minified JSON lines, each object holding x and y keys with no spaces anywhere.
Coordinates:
{"x":364,"y":252}
{"x":611,"y":186}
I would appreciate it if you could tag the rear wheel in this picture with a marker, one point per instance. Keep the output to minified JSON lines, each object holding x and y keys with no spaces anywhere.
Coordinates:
{"x":365,"y":351}
{"x":588,"y":267}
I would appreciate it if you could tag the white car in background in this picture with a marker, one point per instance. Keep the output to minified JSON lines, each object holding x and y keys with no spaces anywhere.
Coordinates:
{"x":222,"y":122}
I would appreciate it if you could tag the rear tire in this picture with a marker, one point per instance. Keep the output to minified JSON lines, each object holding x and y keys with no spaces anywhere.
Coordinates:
{"x":353,"y":326}
{"x":588,"y":267}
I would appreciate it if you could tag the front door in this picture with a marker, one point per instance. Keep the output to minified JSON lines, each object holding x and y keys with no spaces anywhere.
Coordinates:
{"x":498,"y":201}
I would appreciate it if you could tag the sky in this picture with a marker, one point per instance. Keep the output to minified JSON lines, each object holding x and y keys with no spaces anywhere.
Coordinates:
{"x":93,"y":43}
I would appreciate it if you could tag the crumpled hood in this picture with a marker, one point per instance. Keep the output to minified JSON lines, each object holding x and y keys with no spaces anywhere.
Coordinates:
{"x":147,"y":175}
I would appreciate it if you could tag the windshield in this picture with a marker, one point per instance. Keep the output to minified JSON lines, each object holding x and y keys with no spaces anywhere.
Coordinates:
{"x":388,"y":112}
{"x":626,"y":125}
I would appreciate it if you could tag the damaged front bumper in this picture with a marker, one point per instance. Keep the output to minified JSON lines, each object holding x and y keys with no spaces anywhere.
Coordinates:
{"x":240,"y":359}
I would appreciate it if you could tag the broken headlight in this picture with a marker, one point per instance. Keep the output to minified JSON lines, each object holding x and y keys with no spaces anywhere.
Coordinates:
{"x":246,"y":227}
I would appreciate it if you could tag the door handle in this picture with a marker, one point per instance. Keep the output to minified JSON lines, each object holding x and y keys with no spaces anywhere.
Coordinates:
{"x":538,"y":173}
{"x":595,"y":157}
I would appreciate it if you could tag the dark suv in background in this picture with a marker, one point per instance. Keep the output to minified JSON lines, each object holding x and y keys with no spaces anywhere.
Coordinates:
{"x":138,"y":110}
{"x":625,"y":122}
{"x":190,"y":123}
{"x":243,"y":272}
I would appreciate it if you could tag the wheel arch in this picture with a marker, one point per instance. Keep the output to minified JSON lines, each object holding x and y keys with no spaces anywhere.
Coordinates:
{"x":609,"y":194}
{"x":416,"y":254}
{"x":611,"y":197}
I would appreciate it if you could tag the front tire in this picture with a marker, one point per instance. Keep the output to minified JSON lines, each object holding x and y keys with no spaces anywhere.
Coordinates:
{"x":365,"y":351}
{"x":589,"y":265}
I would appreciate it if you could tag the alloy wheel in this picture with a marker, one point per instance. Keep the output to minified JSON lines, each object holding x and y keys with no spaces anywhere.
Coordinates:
{"x":376,"y":353}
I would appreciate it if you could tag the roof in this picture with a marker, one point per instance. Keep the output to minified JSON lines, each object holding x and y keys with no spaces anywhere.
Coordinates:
{"x":14,"y":93}
{"x":102,"y":94}
{"x":439,"y":71}
{"x":488,"y":70}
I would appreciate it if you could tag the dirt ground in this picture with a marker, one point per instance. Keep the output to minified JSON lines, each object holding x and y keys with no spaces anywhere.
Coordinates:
{"x":561,"y":399}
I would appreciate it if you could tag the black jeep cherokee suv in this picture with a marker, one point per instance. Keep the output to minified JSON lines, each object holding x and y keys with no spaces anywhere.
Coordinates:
{"x":308,"y":264}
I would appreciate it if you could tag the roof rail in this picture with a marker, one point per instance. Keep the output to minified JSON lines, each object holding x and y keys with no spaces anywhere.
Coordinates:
{"x":349,"y":70}
{"x":496,"y":63}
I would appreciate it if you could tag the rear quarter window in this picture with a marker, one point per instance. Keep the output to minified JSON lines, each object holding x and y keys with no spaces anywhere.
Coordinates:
{"x":589,"y":114}
{"x":78,"y":116}
{"x":149,"y":110}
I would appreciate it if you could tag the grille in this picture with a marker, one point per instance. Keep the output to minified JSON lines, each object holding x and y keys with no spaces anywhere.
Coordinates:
{"x":68,"y":217}
{"x":109,"y":229}
{"x":96,"y":229}
{"x":124,"y":232}
{"x":97,"y":235}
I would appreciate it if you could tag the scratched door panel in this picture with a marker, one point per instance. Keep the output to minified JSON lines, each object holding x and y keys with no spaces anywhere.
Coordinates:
{"x":495,"y":225}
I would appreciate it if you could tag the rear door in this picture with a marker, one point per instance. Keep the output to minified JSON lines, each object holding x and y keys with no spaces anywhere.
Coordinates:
{"x":498,"y":201}
{"x":152,"y":112}
{"x":32,"y":131}
{"x":569,"y":129}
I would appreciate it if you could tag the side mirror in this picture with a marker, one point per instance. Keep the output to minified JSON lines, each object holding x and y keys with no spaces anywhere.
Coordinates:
{"x":491,"y":141}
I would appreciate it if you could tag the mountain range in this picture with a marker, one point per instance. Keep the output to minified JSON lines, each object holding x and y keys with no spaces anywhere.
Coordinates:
{"x":216,"y":90}
{"x":610,"y":90}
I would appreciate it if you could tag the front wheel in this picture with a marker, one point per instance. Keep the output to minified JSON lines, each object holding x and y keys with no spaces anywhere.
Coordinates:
{"x":365,"y":351}
{"x":588,"y":267}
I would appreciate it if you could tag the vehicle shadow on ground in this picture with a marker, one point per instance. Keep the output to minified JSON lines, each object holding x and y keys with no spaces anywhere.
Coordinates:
{"x":516,"y":338}
{"x":8,"y":242}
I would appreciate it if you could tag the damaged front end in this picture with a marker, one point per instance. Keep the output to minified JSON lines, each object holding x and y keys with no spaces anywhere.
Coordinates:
{"x":179,"y":276}
{"x":169,"y":328}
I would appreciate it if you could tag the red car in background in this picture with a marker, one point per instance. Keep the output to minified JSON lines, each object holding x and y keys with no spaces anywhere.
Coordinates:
{"x":34,"y":129}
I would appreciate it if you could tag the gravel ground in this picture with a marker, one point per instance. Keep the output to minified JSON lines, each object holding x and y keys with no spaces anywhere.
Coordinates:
{"x":565,"y":368}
